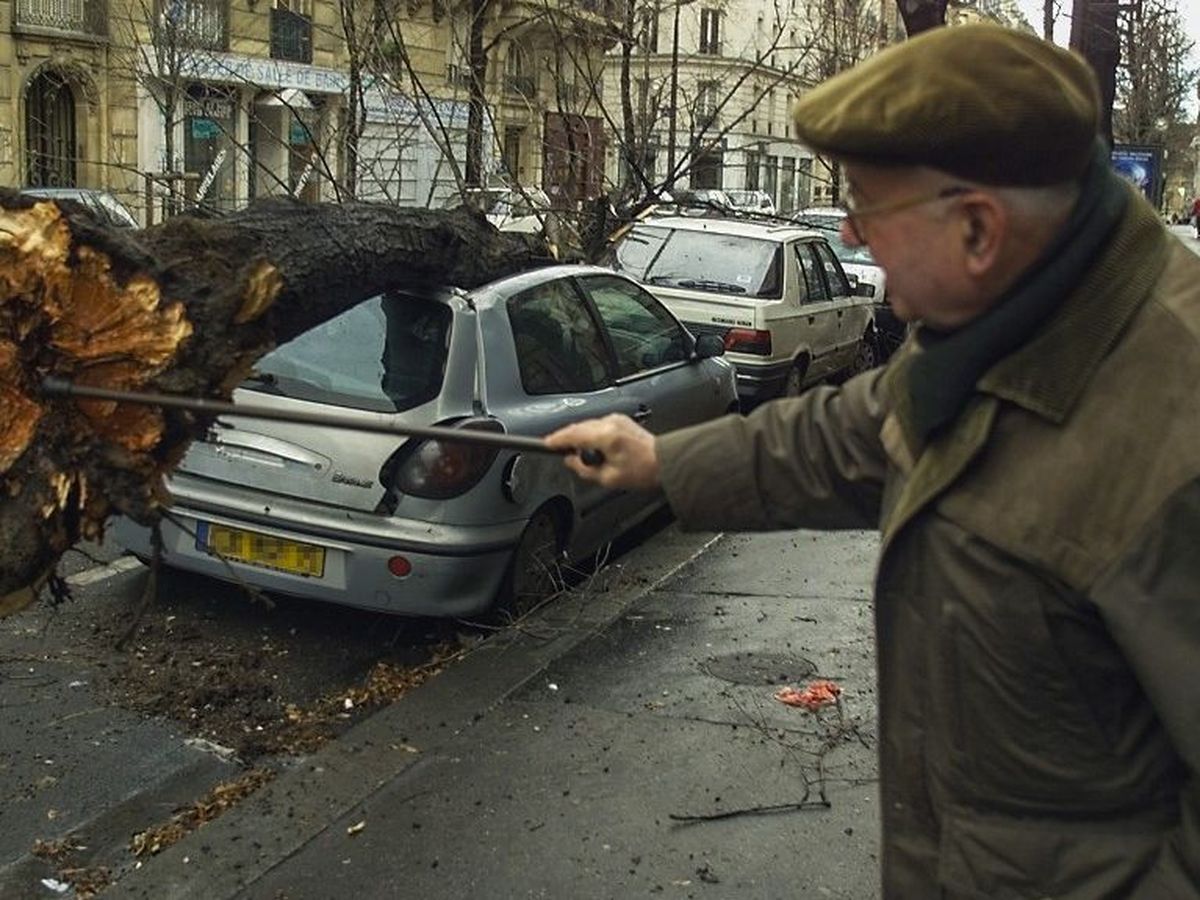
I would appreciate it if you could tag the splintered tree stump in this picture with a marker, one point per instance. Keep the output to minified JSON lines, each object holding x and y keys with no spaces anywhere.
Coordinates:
{"x":185,"y":308}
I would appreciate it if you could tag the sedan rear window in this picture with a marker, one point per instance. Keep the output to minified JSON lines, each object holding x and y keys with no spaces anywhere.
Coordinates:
{"x":386,"y":354}
{"x":718,"y":264}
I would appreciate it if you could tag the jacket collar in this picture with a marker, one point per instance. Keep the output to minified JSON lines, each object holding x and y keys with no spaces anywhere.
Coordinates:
{"x":1049,"y":372}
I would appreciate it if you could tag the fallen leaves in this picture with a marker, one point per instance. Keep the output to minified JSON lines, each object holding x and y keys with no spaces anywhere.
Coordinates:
{"x":218,"y":800}
{"x":819,"y":694}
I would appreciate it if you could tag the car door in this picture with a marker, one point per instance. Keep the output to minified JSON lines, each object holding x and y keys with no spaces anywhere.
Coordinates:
{"x":658,"y":386}
{"x":565,"y":373}
{"x":821,"y":312}
{"x":851,"y":318}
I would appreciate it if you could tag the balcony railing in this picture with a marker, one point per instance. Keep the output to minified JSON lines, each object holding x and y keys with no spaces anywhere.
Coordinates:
{"x":198,"y":24}
{"x":521,"y":85}
{"x":291,"y":36}
{"x":80,"y":16}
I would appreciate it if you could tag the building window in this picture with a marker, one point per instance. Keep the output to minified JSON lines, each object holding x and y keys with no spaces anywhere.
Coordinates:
{"x":291,"y":30}
{"x":771,"y":177}
{"x":706,"y":104}
{"x":208,"y":145}
{"x":752,"y":164}
{"x":518,"y":75}
{"x":512,"y":152}
{"x":707,"y":169}
{"x":710,"y":31}
{"x":804,"y":181}
{"x":787,"y":185}
{"x":50,"y":148}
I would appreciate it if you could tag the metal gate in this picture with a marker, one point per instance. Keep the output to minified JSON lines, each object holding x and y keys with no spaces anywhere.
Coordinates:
{"x":50,"y":147}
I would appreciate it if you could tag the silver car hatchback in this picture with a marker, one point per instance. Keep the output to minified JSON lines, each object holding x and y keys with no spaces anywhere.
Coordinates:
{"x":427,"y":527}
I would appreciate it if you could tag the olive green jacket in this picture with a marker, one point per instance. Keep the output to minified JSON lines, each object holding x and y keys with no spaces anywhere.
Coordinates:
{"x":1037,"y":601}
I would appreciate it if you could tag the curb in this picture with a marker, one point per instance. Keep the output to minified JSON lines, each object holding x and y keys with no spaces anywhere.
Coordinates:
{"x":223,"y":857}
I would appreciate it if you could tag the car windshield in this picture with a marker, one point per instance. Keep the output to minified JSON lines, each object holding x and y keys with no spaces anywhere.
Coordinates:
{"x":846,"y":254}
{"x":637,"y":250}
{"x":386,"y":354}
{"x":717,"y":263}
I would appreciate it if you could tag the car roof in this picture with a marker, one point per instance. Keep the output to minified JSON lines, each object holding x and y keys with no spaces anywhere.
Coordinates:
{"x":766,"y":231}
{"x":499,"y":291}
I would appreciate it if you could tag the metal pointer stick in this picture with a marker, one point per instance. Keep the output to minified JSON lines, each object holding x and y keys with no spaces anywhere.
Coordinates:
{"x":60,"y":387}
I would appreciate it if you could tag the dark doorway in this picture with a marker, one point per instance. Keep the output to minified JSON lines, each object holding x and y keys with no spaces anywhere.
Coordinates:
{"x":50,"y":145}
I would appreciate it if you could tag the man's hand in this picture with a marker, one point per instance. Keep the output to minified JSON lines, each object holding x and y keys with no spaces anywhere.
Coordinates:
{"x":630,"y":460}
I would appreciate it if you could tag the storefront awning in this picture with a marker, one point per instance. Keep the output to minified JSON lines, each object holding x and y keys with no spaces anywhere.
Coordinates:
{"x":292,"y":98}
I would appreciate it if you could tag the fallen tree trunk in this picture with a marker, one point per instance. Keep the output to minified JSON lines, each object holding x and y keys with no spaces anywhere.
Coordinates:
{"x":184,"y":308}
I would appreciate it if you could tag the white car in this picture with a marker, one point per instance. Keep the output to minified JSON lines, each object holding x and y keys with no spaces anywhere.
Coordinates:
{"x":752,"y":201}
{"x":775,"y":294}
{"x":855,"y":260}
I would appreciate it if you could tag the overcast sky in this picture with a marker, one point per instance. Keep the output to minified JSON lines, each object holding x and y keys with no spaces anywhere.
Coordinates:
{"x":1189,"y":10}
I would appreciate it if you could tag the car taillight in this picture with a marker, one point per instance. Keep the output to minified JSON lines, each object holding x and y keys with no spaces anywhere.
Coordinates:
{"x":747,"y":340}
{"x":438,"y":468}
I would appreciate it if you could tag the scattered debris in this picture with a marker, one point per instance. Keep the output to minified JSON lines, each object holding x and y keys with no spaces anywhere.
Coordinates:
{"x":222,"y":797}
{"x":356,"y":828}
{"x":817,"y":695}
{"x":59,"y":887}
{"x":55,"y":851}
{"x":87,"y":882}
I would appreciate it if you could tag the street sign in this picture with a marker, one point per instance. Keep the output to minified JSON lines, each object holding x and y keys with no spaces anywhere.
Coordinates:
{"x":1142,"y":165}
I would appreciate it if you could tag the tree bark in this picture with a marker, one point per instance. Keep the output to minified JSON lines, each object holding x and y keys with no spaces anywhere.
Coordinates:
{"x":185,"y":308}
{"x":1094,"y":37}
{"x":922,"y":15}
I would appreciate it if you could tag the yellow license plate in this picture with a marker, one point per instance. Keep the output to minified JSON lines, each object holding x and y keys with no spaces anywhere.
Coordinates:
{"x":256,"y":549}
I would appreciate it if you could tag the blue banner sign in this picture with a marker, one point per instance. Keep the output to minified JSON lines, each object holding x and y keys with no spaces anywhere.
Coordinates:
{"x":1143,"y":166}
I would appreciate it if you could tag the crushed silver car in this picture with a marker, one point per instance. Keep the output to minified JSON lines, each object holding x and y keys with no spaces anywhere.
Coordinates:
{"x":429,"y":527}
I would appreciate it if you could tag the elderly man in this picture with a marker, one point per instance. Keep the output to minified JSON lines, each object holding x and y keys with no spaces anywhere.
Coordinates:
{"x":1032,"y":458}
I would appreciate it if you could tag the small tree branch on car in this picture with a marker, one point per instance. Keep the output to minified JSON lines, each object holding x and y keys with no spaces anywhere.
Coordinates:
{"x":184,"y":308}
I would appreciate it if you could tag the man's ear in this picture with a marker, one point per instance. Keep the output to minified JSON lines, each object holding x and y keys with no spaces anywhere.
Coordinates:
{"x":985,"y":225}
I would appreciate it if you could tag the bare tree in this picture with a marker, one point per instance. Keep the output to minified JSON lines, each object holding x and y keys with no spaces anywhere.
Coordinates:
{"x":1154,"y":79}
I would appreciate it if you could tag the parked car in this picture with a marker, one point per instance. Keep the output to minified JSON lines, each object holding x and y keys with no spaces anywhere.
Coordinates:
{"x":700,"y":202}
{"x":752,"y":201}
{"x":107,"y":208}
{"x":431,"y":527}
{"x":509,"y":209}
{"x":858,"y":261}
{"x":776,"y":295}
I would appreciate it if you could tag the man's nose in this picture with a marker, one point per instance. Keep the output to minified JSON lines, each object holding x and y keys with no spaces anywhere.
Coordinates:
{"x":850,"y":235}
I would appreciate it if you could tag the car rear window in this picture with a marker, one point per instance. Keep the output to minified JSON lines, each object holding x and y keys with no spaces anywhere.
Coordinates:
{"x":386,"y":354}
{"x":717,"y":264}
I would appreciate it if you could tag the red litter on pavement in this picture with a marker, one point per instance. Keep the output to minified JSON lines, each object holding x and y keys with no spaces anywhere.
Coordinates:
{"x":818,"y":694}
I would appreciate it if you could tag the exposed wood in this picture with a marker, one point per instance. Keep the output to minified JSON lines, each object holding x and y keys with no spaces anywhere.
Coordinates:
{"x":185,"y":308}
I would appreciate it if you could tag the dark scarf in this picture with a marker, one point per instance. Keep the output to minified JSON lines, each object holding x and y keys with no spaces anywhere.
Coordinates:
{"x":942,"y":378}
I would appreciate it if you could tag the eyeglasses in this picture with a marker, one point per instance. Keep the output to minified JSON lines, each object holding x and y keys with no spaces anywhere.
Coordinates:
{"x":855,"y":213}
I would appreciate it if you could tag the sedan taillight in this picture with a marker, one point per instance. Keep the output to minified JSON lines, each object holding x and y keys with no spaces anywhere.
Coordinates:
{"x":747,"y":340}
{"x":438,"y":469}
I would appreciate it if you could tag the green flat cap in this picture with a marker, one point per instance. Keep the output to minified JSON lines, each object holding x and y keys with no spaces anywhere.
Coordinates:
{"x":986,"y":103}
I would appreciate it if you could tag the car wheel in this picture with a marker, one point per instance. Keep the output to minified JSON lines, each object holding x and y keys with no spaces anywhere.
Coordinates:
{"x":795,"y":380}
{"x":867,"y":355}
{"x":535,"y":571}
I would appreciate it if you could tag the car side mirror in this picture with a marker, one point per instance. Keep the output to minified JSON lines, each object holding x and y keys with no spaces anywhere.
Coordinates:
{"x":708,"y":346}
{"x":864,"y":289}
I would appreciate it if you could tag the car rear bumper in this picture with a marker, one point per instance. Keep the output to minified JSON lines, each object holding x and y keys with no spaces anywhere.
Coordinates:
{"x":456,"y":575}
{"x":759,"y":381}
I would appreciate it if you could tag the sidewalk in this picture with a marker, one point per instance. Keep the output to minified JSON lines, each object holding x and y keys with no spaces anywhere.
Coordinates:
{"x":550,"y":763}
{"x":1187,"y":234}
